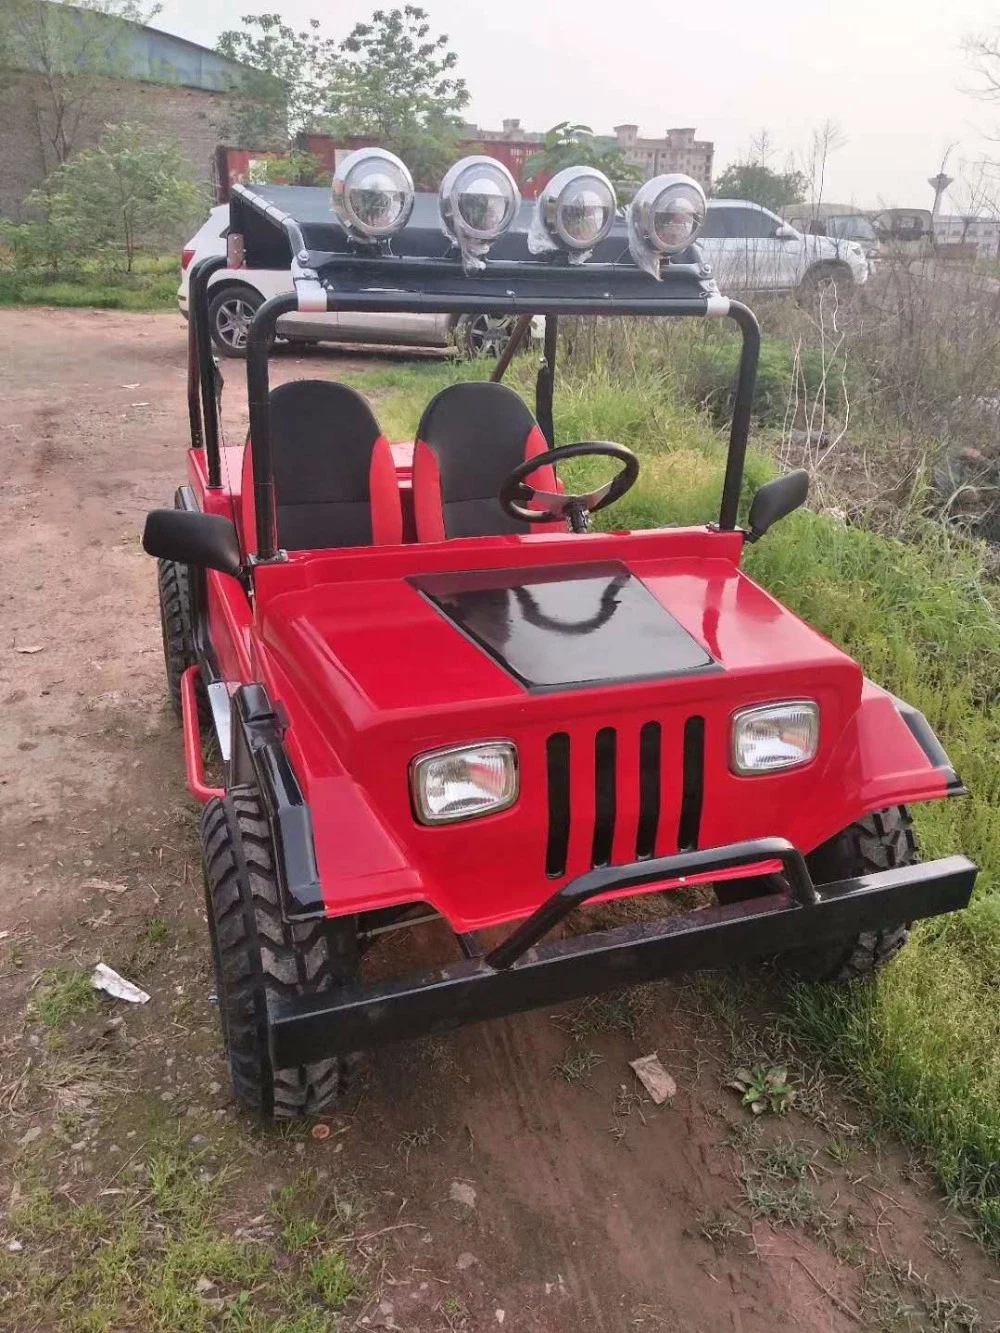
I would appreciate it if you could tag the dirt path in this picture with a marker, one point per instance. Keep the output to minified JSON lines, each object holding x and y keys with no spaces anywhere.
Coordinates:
{"x":508,"y":1176}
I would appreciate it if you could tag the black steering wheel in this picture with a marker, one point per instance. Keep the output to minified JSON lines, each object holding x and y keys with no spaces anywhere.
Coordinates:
{"x":516,"y":494}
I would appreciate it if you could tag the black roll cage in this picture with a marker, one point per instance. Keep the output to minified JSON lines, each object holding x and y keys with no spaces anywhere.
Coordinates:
{"x":427,"y":284}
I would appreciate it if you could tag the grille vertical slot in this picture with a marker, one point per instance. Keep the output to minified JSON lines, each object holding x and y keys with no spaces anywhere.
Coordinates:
{"x":605,"y":795}
{"x":693,"y":784}
{"x":557,"y":771}
{"x":650,"y":742}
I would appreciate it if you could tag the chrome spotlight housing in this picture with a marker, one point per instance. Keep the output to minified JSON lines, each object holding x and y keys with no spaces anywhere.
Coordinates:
{"x":372,"y":194}
{"x":665,"y":217}
{"x":479,"y":201}
{"x":575,"y":211}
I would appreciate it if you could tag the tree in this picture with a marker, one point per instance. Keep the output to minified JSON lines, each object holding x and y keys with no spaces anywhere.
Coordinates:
{"x":824,"y":141}
{"x":62,"y":59}
{"x":289,"y":79}
{"x":396,"y":86}
{"x":758,"y":183}
{"x":127,"y":194}
{"x":568,"y":145}
{"x":975,"y":194}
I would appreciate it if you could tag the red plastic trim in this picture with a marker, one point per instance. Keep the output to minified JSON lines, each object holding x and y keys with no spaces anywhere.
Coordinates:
{"x":192,"y":739}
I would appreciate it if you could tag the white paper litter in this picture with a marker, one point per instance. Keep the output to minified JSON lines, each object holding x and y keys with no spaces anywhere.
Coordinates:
{"x":654,"y":1078}
{"x":107,"y":979}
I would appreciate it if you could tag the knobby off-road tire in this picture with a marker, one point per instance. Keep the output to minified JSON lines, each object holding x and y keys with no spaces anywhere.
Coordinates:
{"x":176,"y":624}
{"x":258,"y":956}
{"x":880,"y":841}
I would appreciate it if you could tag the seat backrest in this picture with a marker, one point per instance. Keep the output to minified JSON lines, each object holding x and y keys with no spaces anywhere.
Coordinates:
{"x":469,"y":438}
{"x":334,"y":477}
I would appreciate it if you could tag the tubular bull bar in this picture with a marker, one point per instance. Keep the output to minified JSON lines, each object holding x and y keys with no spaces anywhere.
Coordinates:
{"x":526,"y":971}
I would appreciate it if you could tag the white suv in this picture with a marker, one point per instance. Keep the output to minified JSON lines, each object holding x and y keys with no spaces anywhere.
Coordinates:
{"x":236,"y":293}
{"x":752,"y":249}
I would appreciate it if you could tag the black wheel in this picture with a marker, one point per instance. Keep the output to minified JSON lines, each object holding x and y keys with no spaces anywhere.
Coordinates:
{"x":483,"y":336}
{"x":823,"y":278}
{"x":260,"y":957}
{"x":230,"y":311}
{"x":176,"y":624}
{"x":880,"y":841}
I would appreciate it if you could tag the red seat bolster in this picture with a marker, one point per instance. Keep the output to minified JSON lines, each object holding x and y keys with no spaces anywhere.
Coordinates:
{"x":428,"y":511}
{"x":383,"y":492}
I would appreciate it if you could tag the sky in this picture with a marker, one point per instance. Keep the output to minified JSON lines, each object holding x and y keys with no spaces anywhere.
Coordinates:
{"x":890,"y":73}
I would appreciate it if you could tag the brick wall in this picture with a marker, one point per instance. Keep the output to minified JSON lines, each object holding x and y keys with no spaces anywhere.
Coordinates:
{"x":191,"y":117}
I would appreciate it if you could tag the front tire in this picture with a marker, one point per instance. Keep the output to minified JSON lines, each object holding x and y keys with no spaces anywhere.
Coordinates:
{"x":823,"y":278}
{"x":881,"y":841}
{"x":259,"y":958}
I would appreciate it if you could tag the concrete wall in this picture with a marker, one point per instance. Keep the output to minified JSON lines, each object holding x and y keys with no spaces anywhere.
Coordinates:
{"x":191,"y":117}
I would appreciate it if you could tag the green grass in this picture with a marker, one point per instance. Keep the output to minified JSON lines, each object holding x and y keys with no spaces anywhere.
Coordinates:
{"x":155,"y":1255}
{"x":62,"y":994}
{"x":151,"y":286}
{"x":923,"y":1043}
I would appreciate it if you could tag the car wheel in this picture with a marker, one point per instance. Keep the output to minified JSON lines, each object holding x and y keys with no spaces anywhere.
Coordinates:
{"x":229,"y":314}
{"x":261,"y":961}
{"x":480,"y":337}
{"x":822,"y":279}
{"x":880,"y":841}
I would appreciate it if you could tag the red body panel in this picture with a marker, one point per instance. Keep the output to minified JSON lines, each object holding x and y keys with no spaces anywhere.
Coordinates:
{"x":371,"y":674}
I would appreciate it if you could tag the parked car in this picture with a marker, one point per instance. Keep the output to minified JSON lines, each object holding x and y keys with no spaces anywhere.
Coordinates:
{"x":908,"y":232}
{"x":237,"y":294}
{"x":839,"y":227}
{"x":752,"y":249}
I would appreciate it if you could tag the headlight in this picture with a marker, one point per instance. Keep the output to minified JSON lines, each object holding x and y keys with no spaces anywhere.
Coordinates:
{"x":775,"y":736}
{"x":574,"y":212}
{"x":373,"y":193}
{"x":479,"y":200}
{"x":464,"y":782}
{"x":664,"y":218}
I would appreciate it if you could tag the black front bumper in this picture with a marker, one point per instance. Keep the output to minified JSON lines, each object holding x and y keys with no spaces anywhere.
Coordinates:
{"x":524,"y":973}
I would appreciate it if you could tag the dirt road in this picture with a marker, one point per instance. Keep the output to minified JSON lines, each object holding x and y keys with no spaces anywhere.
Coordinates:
{"x":511,"y":1175}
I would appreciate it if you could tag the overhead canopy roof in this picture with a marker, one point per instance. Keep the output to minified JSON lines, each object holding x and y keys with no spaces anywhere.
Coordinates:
{"x":423,"y":261}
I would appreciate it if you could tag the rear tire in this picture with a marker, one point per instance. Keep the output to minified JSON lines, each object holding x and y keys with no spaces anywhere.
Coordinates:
{"x":483,"y":337}
{"x":880,"y":841}
{"x":176,"y":625}
{"x":231,"y":307}
{"x":259,"y":957}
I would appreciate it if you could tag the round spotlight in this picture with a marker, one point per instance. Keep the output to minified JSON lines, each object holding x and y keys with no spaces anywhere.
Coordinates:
{"x":575,"y":211}
{"x":373,"y":193}
{"x":479,"y":200}
{"x":664,"y":218}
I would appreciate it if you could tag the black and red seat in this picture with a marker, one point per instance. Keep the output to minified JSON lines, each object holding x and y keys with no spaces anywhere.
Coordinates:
{"x":334,"y":476}
{"x":469,"y":438}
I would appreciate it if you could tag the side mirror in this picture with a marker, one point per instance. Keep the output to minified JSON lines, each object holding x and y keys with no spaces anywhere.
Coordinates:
{"x":207,"y":541}
{"x":775,"y":500}
{"x":786,"y":232}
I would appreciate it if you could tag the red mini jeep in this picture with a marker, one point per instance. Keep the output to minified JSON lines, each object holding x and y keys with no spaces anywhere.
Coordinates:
{"x":437,"y":694}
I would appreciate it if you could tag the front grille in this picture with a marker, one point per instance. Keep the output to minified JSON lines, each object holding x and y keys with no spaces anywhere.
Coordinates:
{"x":643,"y":791}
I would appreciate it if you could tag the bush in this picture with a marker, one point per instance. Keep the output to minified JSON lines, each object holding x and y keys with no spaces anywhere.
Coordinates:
{"x":125,"y":196}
